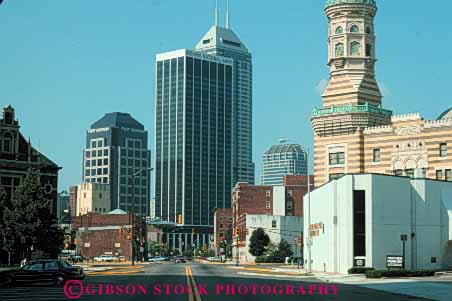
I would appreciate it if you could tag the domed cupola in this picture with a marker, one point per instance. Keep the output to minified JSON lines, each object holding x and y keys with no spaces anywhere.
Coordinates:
{"x":335,"y":2}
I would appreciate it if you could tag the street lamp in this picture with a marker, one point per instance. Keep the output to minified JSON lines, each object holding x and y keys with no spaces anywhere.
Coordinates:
{"x":132,"y":220}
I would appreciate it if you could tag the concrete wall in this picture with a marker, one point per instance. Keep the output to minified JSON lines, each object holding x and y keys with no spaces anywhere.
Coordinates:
{"x":279,"y":200}
{"x":394,"y":206}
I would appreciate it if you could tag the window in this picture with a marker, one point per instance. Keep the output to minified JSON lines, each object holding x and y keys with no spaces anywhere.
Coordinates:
{"x":267,"y":203}
{"x":335,"y":176}
{"x":377,"y":155}
{"x":339,"y":30}
{"x":398,"y":172}
{"x":359,"y":223}
{"x":105,"y":161}
{"x":8,"y":142}
{"x":35,"y":266}
{"x":339,"y":50}
{"x":410,"y":173}
{"x":88,"y":154}
{"x":207,"y":41}
{"x":290,"y":193}
{"x":221,"y":234}
{"x":93,"y":144}
{"x":274,"y":224}
{"x":99,"y":153}
{"x":289,"y":205}
{"x":105,"y":171}
{"x":52,"y":265}
{"x":368,"y":50}
{"x":443,"y":150}
{"x":448,"y":175}
{"x":439,"y":174}
{"x":100,"y":143}
{"x":105,"y":152}
{"x":87,"y":163}
{"x":268,"y":193}
{"x":337,"y":158}
{"x":355,"y":48}
{"x":368,"y":30}
{"x":100,"y":195}
{"x":354,"y":28}
{"x":221,"y":226}
{"x":99,"y":162}
{"x":105,"y":180}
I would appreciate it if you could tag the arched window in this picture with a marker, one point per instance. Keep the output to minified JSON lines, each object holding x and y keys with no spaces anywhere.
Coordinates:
{"x":7,"y":142}
{"x":368,"y":50}
{"x":355,"y":48}
{"x":354,"y":28}
{"x":339,"y":30}
{"x":339,"y":50}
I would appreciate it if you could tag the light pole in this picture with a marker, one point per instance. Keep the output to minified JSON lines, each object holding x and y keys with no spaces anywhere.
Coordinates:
{"x":132,"y":220}
{"x":309,"y":239}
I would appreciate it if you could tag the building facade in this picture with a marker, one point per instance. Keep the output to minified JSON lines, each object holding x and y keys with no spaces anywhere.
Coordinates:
{"x":193,"y":140}
{"x":224,"y":42}
{"x":93,"y":198}
{"x":255,"y":206}
{"x":359,"y":220}
{"x":117,"y":154}
{"x":283,"y":159}
{"x":18,"y":158}
{"x":223,"y":228}
{"x":64,"y":215}
{"x":353,"y":133}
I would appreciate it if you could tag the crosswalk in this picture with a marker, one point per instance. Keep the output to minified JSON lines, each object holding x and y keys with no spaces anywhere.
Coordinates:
{"x":33,"y":293}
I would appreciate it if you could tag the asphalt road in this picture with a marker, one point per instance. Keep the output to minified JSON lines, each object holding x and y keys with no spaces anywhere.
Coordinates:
{"x":199,"y":282}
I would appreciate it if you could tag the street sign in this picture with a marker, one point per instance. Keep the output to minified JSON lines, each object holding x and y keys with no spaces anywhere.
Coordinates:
{"x":394,"y":261}
{"x":87,"y":244}
{"x":309,"y":241}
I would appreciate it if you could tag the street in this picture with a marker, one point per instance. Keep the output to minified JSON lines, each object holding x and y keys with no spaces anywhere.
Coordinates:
{"x":196,"y":281}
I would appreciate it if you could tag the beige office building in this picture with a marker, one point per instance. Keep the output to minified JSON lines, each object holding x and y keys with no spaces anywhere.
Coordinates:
{"x":353,"y":133}
{"x":93,"y":197}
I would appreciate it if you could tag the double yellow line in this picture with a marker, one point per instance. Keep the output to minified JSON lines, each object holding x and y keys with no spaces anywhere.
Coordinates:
{"x":192,"y":284}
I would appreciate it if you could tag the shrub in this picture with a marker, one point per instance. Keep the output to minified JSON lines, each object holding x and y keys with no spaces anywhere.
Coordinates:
{"x":359,"y":270}
{"x":374,"y":273}
{"x":260,"y":259}
{"x":399,"y":273}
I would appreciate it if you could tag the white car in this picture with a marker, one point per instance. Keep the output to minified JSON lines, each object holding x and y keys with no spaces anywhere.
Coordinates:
{"x":105,"y":258}
{"x":157,"y":259}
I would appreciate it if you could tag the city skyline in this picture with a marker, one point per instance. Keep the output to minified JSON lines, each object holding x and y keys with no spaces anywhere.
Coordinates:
{"x":43,"y":101}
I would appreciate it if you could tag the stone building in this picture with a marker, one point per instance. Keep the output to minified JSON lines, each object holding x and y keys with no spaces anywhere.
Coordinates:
{"x":93,"y":197}
{"x":353,"y":133}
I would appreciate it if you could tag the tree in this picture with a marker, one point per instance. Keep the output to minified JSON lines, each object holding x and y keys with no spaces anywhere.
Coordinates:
{"x":28,"y":222}
{"x":284,"y":249}
{"x":259,"y":240}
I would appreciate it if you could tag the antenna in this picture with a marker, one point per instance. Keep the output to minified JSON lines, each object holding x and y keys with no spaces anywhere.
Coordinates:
{"x":228,"y":17}
{"x":216,"y":13}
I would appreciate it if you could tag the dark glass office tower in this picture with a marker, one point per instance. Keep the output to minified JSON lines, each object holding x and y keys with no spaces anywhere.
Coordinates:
{"x":223,"y":42}
{"x":117,"y":153}
{"x":193,"y":138}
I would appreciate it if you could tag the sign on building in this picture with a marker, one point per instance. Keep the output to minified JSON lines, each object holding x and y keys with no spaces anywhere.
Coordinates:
{"x":394,"y":261}
{"x":359,"y":262}
{"x":117,"y":245}
{"x":87,"y":245}
{"x":309,"y":241}
{"x":316,"y":229}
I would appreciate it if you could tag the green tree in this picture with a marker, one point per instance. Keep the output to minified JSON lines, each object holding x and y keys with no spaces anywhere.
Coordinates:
{"x":154,"y":248}
{"x":284,"y":249}
{"x":259,"y":240}
{"x":28,"y":221}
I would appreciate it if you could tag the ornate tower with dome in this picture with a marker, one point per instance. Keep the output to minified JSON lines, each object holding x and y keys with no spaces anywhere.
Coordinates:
{"x":353,"y":133}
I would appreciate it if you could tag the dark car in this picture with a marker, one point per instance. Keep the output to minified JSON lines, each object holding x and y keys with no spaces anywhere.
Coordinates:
{"x":55,"y":272}
{"x":180,"y":259}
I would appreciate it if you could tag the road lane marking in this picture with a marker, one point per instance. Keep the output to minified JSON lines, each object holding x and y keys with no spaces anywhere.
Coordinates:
{"x":195,"y":287}
{"x":190,"y":294}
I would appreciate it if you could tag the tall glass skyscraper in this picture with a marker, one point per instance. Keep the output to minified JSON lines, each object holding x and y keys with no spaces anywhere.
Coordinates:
{"x":194,"y":108}
{"x":116,"y":150}
{"x":280,"y":160}
{"x":220,"y":41}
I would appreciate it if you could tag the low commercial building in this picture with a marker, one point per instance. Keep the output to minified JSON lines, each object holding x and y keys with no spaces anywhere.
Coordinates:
{"x":110,"y":233}
{"x":93,"y":197}
{"x":223,"y":229}
{"x":371,"y":220}
{"x":273,"y":203}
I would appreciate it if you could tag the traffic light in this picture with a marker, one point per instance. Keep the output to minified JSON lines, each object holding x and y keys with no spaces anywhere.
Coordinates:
{"x":179,"y":219}
{"x":129,"y":237}
{"x":237,"y":231}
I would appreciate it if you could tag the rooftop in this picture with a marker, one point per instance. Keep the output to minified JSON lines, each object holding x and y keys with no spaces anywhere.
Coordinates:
{"x":117,"y":120}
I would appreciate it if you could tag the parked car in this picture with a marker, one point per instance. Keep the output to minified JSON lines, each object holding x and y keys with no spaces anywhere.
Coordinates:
{"x":180,"y":259}
{"x":157,"y":259}
{"x":106,"y":258}
{"x":214,"y":259}
{"x":76,"y":258}
{"x":50,"y":271}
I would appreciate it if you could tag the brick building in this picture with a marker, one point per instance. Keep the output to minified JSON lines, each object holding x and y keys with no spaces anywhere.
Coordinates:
{"x":222,"y":227}
{"x":18,"y":157}
{"x":278,"y":201}
{"x":110,"y":233}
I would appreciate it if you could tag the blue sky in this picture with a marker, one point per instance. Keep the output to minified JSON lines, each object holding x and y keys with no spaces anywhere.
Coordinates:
{"x":64,"y":64}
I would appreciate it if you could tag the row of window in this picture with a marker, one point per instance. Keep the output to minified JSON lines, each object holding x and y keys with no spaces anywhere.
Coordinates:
{"x":355,"y":49}
{"x":96,"y":162}
{"x":103,"y":180}
{"x":444,"y":174}
{"x":353,"y":28}
{"x":99,"y":153}
{"x":96,"y":172}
